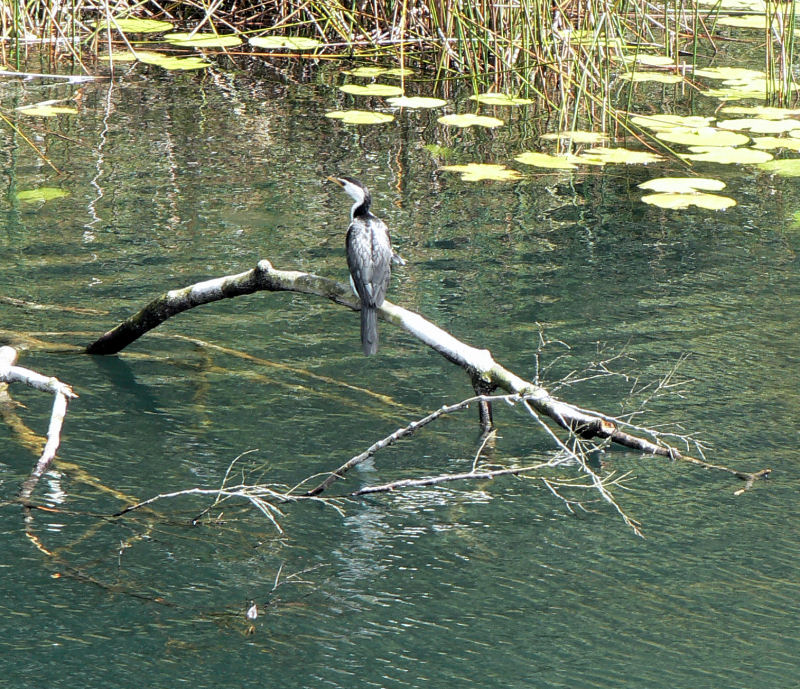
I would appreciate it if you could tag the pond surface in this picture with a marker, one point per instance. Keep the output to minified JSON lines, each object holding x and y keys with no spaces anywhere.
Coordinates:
{"x":176,"y":178}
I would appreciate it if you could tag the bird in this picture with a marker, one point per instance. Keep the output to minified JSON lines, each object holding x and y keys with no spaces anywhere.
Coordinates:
{"x":369,"y":258}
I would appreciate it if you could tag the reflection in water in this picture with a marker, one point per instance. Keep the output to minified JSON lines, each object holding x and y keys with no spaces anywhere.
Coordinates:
{"x":183,"y":177}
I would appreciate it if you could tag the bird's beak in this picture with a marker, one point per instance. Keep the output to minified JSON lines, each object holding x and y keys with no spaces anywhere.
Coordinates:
{"x":337,"y":180}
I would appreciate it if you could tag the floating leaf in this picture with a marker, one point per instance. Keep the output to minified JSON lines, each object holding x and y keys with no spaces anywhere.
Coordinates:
{"x":620,"y":155}
{"x":659,"y":77}
{"x":768,"y":143}
{"x":492,"y":98}
{"x":203,"y":40}
{"x":712,"y":202}
{"x":763,"y":111}
{"x":664,"y":122}
{"x":475,"y":172}
{"x":682,"y":185}
{"x":727,"y":155}
{"x":130,"y":56}
{"x":154,"y":58}
{"x":729,"y":73}
{"x":41,"y":194}
{"x":745,"y":88}
{"x":291,"y":42}
{"x":649,"y":60}
{"x":367,"y":72}
{"x":47,"y":110}
{"x":577,"y":136}
{"x":399,"y":72}
{"x":545,"y":160}
{"x":133,"y":25}
{"x":416,"y":102}
{"x":789,"y":167}
{"x":470,"y":120}
{"x":702,"y":136}
{"x":360,"y":116}
{"x":760,"y":125}
{"x":584,"y":160}
{"x":180,"y":63}
{"x":754,"y":21}
{"x":372,"y":90}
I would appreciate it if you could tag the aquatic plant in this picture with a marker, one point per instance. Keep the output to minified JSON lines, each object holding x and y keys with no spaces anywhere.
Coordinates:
{"x":569,"y":54}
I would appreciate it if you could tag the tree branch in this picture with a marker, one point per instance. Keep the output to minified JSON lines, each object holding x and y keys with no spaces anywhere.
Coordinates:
{"x":484,"y":372}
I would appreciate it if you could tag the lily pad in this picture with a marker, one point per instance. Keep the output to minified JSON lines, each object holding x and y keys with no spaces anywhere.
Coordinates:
{"x":728,"y":155}
{"x":475,"y":172}
{"x":546,"y":161}
{"x":577,"y":136}
{"x":372,"y":90}
{"x":134,"y":25}
{"x":492,"y":98}
{"x":41,"y":194}
{"x":620,"y":155}
{"x":760,"y":125}
{"x":712,"y":202}
{"x":754,"y":21}
{"x":789,"y":167}
{"x":702,"y":136}
{"x":470,"y":120}
{"x":416,"y":102}
{"x":203,"y":40}
{"x":768,"y":143}
{"x":663,"y":122}
{"x":649,"y":60}
{"x":130,"y":56}
{"x":290,"y":42}
{"x":47,"y":110}
{"x":360,"y":116}
{"x":682,"y":185}
{"x":367,"y":72}
{"x":659,"y":77}
{"x":763,"y":111}
{"x":151,"y":57}
{"x":739,"y":89}
{"x":180,"y":63}
{"x":728,"y":73}
{"x":399,"y":72}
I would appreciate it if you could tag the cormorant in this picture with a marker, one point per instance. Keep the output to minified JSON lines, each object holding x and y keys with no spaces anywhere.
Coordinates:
{"x":369,"y":258}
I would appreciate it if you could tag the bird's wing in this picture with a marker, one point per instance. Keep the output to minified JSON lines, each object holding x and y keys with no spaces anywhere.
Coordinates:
{"x":381,"y":262}
{"x":359,"y":261}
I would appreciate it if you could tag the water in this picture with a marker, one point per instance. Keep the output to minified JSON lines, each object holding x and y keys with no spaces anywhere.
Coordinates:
{"x":178,"y":178}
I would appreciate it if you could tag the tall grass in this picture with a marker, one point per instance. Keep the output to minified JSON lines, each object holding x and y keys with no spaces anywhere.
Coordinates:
{"x":562,"y":50}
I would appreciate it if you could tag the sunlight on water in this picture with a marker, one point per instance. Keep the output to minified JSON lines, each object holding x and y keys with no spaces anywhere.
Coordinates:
{"x":173,"y":179}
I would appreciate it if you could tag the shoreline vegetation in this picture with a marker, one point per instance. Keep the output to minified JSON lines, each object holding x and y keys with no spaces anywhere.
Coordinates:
{"x":567,"y":53}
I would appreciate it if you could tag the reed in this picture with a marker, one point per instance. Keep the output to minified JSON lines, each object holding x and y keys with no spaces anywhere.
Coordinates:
{"x":561,"y":50}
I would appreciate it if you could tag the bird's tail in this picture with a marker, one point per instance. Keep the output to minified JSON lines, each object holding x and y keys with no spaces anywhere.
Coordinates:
{"x":369,"y":329}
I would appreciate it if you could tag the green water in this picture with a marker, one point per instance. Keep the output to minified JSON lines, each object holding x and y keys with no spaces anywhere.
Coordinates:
{"x":178,"y":178}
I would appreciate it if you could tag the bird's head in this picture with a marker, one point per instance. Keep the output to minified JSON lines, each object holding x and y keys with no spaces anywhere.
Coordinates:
{"x":356,"y":190}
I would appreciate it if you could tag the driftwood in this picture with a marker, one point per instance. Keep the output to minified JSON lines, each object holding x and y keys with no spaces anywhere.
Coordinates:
{"x":484,"y":372}
{"x":10,"y":373}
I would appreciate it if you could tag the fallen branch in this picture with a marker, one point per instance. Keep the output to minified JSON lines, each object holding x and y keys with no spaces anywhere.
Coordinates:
{"x":485,"y":373}
{"x":9,"y":373}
